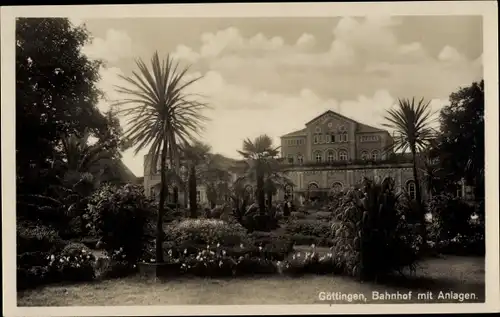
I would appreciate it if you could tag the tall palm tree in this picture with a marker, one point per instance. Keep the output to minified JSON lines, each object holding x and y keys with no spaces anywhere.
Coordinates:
{"x":260,"y":155}
{"x":194,"y":155}
{"x":161,"y":115}
{"x":411,"y":121}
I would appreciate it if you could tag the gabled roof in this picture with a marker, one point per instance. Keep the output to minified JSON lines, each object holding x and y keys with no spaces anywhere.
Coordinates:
{"x":301,"y":132}
{"x":361,"y":127}
{"x":332,"y":112}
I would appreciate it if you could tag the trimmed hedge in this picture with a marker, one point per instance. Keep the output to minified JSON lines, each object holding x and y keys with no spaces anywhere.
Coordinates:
{"x":307,"y":227}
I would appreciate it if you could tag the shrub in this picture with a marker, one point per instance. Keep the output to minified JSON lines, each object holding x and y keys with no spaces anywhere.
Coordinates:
{"x":324,"y":216}
{"x":308,"y":262}
{"x":317,"y":228}
{"x":118,"y":215}
{"x":34,"y":236}
{"x":372,"y":238}
{"x":74,"y":263}
{"x":451,"y":214}
{"x":218,"y":262}
{"x":207,"y":232}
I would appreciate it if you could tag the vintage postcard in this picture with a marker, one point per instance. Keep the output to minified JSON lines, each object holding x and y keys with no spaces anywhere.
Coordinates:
{"x":216,"y":159}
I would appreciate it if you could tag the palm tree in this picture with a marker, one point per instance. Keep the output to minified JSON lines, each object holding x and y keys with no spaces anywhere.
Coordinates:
{"x":411,"y":121}
{"x":161,"y":115}
{"x":260,"y":155}
{"x":194,"y":155}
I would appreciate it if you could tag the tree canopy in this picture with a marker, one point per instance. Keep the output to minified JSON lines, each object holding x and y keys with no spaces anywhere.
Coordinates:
{"x":56,"y":97}
{"x":460,"y":146}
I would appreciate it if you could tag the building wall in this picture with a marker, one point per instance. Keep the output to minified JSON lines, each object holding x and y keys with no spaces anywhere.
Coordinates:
{"x":294,"y":146}
{"x":325,"y":178}
{"x":324,"y":135}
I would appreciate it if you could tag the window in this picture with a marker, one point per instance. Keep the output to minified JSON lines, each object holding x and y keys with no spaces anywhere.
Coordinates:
{"x":337,"y":187}
{"x":321,"y":139}
{"x":152,"y":192}
{"x":300,"y":159}
{"x":330,"y":156}
{"x":333,"y":138}
{"x":318,"y":157}
{"x":328,"y":138}
{"x":369,"y":138}
{"x":316,"y":138}
{"x":374,"y":155}
{"x":343,"y":137}
{"x":343,"y":155}
{"x":198,"y":196}
{"x":364,"y":155}
{"x":410,"y":188}
{"x":290,"y":159}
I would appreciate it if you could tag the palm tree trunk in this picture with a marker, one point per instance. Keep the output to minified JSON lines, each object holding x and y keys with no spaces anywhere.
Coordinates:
{"x":261,"y":199}
{"x":161,"y":207}
{"x":193,"y":201}
{"x":418,"y":194}
{"x":270,"y":200}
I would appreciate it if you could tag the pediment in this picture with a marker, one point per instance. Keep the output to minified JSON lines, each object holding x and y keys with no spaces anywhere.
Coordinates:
{"x":329,"y":116}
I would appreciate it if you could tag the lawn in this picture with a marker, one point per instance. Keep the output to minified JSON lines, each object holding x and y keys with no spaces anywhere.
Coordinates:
{"x":453,"y":273}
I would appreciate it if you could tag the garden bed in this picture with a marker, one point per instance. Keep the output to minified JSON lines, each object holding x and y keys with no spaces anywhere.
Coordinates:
{"x":458,"y":274}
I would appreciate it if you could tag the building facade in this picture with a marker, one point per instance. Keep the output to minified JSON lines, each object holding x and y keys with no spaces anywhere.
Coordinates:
{"x":334,"y":152}
{"x":152,"y":180}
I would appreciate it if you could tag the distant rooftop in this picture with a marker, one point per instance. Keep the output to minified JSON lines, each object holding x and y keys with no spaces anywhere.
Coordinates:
{"x":361,"y":127}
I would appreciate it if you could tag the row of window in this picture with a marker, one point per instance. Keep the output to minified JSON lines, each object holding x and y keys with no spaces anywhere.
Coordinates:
{"x":369,"y":138}
{"x":295,"y":142}
{"x":320,"y":138}
{"x":332,"y":156}
{"x":337,"y":186}
{"x":374,"y":155}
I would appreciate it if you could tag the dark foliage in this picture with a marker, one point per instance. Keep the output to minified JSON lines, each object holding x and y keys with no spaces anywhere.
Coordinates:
{"x":118,"y":216}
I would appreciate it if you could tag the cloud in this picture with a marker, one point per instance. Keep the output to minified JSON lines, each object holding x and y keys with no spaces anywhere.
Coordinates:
{"x":114,"y":46}
{"x":238,"y":112}
{"x":242,"y":112}
{"x":450,"y":54}
{"x":364,"y":51}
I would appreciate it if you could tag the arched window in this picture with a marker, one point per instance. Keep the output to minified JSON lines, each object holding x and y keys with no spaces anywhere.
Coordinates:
{"x":318,"y":156}
{"x":300,"y":159}
{"x":364,"y":155}
{"x":343,"y":155}
{"x":337,"y":187}
{"x":330,"y":156}
{"x":313,"y":191}
{"x":375,"y":155}
{"x":411,"y":189}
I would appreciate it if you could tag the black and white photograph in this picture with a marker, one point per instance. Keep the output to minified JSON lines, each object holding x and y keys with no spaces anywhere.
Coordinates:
{"x":262,"y":157}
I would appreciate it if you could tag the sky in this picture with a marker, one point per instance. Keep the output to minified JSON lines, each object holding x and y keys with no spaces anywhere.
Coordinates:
{"x":272,"y":75}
